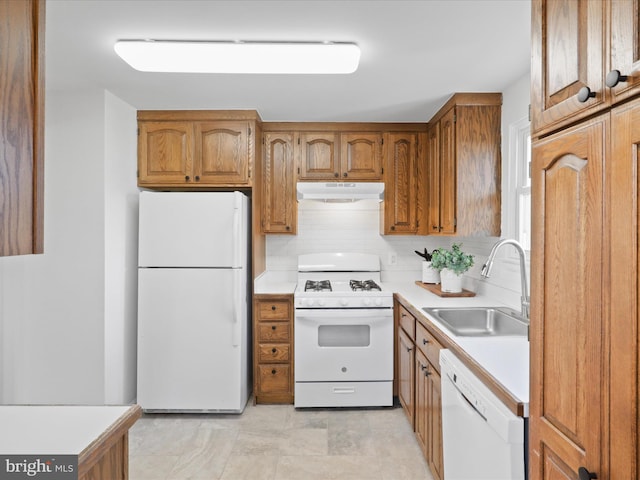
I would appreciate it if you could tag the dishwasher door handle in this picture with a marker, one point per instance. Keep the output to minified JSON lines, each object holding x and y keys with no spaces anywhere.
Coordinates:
{"x":467,"y":401}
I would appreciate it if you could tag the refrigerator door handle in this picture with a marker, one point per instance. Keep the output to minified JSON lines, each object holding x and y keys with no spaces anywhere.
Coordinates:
{"x":237,"y":307}
{"x":237,"y":231}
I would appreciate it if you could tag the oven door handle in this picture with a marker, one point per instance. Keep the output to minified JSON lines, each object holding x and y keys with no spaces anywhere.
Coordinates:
{"x":339,"y":316}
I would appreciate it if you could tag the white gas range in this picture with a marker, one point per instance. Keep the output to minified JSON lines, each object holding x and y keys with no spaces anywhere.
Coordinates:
{"x":343,"y":332}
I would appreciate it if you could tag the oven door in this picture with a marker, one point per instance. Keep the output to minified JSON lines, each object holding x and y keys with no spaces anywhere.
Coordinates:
{"x":335,"y":345}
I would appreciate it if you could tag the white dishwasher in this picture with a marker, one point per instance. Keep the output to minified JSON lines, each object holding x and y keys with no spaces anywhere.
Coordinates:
{"x":482,"y":439}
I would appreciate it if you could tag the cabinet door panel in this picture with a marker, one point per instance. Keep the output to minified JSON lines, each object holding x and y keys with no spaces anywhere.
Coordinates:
{"x":223,"y":150}
{"x":567,"y":51}
{"x":318,"y":156}
{"x":434,"y":414}
{"x":360,"y":156}
{"x":624,"y":42}
{"x":166,"y":152}
{"x":400,"y":205}
{"x":622,"y":202}
{"x":433,"y":178}
{"x":448,"y":179}
{"x":279,"y":212}
{"x":567,"y":308}
{"x":422,"y":403}
{"x":406,"y":368}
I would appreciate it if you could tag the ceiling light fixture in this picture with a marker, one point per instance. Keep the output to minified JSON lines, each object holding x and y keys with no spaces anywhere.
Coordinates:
{"x":239,"y":57}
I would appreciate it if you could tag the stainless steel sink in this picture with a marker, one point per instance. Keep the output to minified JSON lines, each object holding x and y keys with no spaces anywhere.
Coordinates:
{"x":481,"y":321}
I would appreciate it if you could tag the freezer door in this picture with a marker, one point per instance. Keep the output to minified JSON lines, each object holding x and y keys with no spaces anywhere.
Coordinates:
{"x":192,"y":340}
{"x":193,"y":229}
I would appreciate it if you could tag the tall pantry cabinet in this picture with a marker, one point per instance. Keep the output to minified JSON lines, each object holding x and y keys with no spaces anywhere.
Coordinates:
{"x":584,"y":407}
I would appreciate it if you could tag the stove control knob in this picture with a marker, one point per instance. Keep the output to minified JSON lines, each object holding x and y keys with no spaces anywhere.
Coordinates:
{"x":310,"y":302}
{"x":378,"y":302}
{"x":321,"y":302}
{"x":344,"y":302}
{"x":367,"y":302}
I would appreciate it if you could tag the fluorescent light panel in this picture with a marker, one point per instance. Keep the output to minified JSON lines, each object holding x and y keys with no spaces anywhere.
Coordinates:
{"x":239,"y":57}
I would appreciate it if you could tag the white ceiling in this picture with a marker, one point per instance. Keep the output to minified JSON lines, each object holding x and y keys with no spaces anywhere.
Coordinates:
{"x":415,"y":54}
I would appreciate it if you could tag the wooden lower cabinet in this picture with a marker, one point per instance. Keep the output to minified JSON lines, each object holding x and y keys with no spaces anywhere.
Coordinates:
{"x":584,"y":410}
{"x":273,"y":349}
{"x":418,"y":378}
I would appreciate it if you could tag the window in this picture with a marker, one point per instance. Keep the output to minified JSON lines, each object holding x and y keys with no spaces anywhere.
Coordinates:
{"x":518,"y":191}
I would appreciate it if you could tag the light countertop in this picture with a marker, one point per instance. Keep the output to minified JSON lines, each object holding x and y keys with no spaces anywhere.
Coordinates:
{"x":504,"y":359}
{"x":56,"y":429}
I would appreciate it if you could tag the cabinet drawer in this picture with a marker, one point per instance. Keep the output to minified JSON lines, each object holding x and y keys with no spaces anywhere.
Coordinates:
{"x":273,"y":332}
{"x":275,"y":352}
{"x":274,"y":378}
{"x":276,"y":310}
{"x":407,"y":322}
{"x":428,"y":345}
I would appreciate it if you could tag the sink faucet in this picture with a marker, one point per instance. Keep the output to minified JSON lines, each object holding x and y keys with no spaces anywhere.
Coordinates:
{"x":486,"y":272}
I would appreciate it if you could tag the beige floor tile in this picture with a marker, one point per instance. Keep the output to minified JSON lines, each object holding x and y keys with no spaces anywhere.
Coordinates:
{"x":406,"y":468}
{"x":151,"y":467}
{"x":306,"y":441}
{"x":208,"y":460}
{"x":259,"y":443}
{"x":347,"y":467}
{"x":247,"y":467}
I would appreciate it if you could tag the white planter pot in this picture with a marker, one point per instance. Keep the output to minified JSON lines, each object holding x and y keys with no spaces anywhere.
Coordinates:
{"x":429,"y":275}
{"x":450,"y":282}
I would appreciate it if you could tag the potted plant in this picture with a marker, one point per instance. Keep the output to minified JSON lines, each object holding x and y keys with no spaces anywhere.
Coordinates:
{"x":451,"y":263}
{"x":429,"y":275}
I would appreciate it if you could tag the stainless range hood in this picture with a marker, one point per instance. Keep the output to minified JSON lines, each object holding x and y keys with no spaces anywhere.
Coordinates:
{"x":340,"y":191}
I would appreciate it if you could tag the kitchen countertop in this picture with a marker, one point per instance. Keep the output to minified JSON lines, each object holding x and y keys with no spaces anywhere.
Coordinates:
{"x":58,"y":429}
{"x":502,"y":362}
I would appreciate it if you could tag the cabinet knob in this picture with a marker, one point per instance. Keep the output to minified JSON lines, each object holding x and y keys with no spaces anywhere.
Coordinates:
{"x":187,"y":177}
{"x":585,"y":94}
{"x":273,"y":372}
{"x":344,"y":174}
{"x":614,"y":77}
{"x":409,"y":349}
{"x":336,"y":175}
{"x":584,"y":474}
{"x":425,"y":341}
{"x":197,"y":178}
{"x":273,"y":307}
{"x":393,"y":227}
{"x":287,"y":228}
{"x":273,"y":350}
{"x":273,"y":327}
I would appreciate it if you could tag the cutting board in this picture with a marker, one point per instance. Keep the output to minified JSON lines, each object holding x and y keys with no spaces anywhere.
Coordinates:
{"x":435,"y":288}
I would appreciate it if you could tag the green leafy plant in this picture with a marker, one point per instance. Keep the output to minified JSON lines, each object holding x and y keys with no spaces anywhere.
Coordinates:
{"x":454,"y":259}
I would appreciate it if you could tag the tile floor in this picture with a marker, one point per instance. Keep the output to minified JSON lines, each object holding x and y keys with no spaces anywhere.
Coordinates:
{"x":277,"y":442}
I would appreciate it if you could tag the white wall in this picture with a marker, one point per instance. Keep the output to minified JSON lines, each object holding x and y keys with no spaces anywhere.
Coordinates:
{"x":121,"y":250}
{"x":53,"y":305}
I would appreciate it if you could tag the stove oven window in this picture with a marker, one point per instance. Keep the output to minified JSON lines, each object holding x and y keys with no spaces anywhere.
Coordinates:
{"x":344,"y":336}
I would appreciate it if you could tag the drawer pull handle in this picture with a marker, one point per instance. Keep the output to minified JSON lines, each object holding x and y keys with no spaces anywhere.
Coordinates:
{"x":273,"y":327}
{"x":273,"y":350}
{"x":584,"y":474}
{"x":273,"y":372}
{"x":273,"y":307}
{"x":425,"y":341}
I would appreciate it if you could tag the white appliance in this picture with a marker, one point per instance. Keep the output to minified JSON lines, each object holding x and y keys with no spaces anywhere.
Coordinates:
{"x":193,"y":308}
{"x":482,"y":438}
{"x":343,"y":332}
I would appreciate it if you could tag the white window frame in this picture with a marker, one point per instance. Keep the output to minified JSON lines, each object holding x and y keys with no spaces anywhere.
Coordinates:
{"x":517,"y":174}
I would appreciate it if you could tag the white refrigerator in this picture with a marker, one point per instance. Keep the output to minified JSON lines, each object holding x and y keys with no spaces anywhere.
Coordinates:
{"x":193,"y":303}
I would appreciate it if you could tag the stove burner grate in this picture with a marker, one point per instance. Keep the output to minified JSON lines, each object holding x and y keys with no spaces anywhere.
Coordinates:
{"x":317,"y":286}
{"x":364,"y":285}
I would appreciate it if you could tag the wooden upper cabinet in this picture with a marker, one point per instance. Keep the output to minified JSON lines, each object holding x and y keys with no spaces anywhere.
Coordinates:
{"x":569,"y":319}
{"x":571,"y":52}
{"x":361,"y":156}
{"x":464,"y":166}
{"x":165,"y":152}
{"x":223,"y":152}
{"x":22,"y":24}
{"x":624,"y":41}
{"x":340,"y":156}
{"x":197,"y":148}
{"x":318,"y":156}
{"x":404,"y":208}
{"x":279,"y":204}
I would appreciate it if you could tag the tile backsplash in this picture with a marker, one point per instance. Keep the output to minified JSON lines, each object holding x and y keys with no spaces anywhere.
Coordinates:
{"x":355,"y":227}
